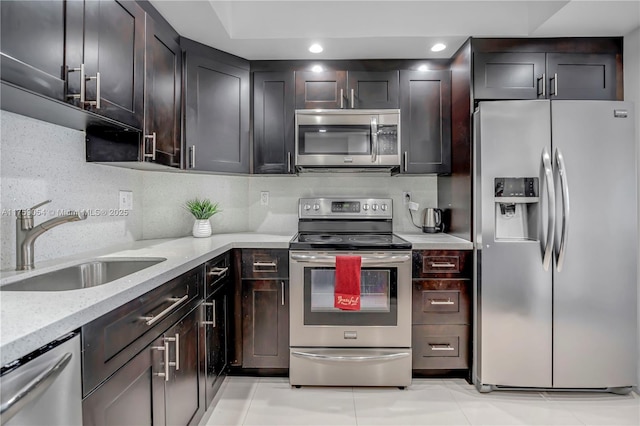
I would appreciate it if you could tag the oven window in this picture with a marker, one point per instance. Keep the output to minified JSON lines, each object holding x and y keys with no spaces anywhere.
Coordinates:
{"x":334,"y":140}
{"x":378,"y":298}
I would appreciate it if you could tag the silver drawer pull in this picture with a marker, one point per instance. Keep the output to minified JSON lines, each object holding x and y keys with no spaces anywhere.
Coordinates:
{"x":150,"y":320}
{"x":264,"y":264}
{"x":265,"y":267}
{"x":441,"y":347}
{"x":441,"y":302}
{"x":216,"y":272}
{"x":443,"y":265}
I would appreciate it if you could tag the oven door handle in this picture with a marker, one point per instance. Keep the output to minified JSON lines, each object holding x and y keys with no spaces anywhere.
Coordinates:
{"x":366,"y":260}
{"x":388,"y":357}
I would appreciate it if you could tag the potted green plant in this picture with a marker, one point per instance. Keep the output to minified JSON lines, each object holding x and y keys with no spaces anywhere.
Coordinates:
{"x":202,"y":210}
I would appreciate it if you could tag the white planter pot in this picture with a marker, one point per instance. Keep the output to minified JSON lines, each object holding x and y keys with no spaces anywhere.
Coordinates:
{"x":201,"y":228}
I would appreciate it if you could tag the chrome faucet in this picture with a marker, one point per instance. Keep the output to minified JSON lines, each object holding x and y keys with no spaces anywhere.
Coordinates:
{"x":26,"y":233}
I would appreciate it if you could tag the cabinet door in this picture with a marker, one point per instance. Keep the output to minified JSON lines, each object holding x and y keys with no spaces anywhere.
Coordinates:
{"x":184,"y":389}
{"x":217,"y":116}
{"x":163,"y":96}
{"x":373,"y":90}
{"x":509,"y":76}
{"x":425,"y":102}
{"x":326,"y":89}
{"x":214,"y":326}
{"x":581,"y":76}
{"x":133,"y":395}
{"x":27,"y":60}
{"x":114,"y":47}
{"x":265,"y":323}
{"x":273,"y":117}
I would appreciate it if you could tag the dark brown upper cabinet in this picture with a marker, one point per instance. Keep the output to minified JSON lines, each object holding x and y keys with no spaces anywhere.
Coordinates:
{"x":114,"y":60}
{"x":273,"y":122}
{"x":163,"y":96}
{"x":581,"y":76}
{"x":346,"y":89}
{"x":425,"y":114}
{"x":508,"y":75}
{"x":217,"y":111}
{"x":29,"y":62}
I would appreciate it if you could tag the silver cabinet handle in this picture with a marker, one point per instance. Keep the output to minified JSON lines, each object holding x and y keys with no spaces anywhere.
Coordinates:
{"x":543,"y":79}
{"x":562,"y":171}
{"x":389,"y":357}
{"x":177,"y":351}
{"x":217,"y":272}
{"x":164,"y":348}
{"x":341,"y":98}
{"x":289,"y":162}
{"x":406,"y":160}
{"x":441,"y":302}
{"x":32,"y":390}
{"x":442,"y":265}
{"x":282,"y":290}
{"x":152,"y":136}
{"x":168,"y":363}
{"x":95,"y":103}
{"x":264,"y":264}
{"x":82,"y":95}
{"x":150,"y":320}
{"x":213,"y":305}
{"x":441,"y":347}
{"x":353,"y":99}
{"x":551,"y":195}
{"x":331,"y":260}
{"x":192,"y":157}
{"x":374,"y":139}
{"x":555,"y":85}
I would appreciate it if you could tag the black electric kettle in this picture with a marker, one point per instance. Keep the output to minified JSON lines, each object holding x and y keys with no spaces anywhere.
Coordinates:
{"x":432,"y":221}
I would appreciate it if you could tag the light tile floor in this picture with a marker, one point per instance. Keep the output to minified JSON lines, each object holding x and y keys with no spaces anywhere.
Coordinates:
{"x":271,"y":401}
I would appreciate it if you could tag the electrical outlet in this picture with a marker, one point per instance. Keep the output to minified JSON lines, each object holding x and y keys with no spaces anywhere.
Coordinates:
{"x":406,"y":197}
{"x":264,"y":198}
{"x":125,"y":200}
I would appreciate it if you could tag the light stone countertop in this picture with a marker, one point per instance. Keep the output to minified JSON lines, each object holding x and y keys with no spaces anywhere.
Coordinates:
{"x":29,"y":320}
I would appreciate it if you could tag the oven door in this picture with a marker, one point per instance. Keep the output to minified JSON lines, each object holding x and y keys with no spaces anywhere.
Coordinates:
{"x":384,"y":318}
{"x":337,"y":139}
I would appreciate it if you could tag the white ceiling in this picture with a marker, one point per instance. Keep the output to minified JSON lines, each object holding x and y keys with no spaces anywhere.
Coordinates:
{"x":377,"y":29}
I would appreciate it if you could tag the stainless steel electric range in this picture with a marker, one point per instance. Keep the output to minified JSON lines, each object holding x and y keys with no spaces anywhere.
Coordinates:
{"x":333,"y":347}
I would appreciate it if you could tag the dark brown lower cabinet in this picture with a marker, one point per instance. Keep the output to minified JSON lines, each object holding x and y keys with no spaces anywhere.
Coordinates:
{"x":265,"y":323}
{"x":438,"y":347}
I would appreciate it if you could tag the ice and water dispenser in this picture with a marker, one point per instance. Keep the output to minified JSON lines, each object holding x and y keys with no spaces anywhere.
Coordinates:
{"x":517,"y":208}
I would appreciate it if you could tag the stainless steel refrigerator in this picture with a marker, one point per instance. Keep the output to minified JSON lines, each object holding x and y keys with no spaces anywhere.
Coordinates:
{"x":555,"y":194}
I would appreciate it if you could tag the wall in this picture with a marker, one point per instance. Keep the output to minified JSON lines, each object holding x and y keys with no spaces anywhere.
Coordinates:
{"x":632,"y":93}
{"x":40,"y":161}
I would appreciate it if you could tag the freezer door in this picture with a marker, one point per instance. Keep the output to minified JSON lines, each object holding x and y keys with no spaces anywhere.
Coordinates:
{"x":514,"y":289}
{"x":594,"y":328}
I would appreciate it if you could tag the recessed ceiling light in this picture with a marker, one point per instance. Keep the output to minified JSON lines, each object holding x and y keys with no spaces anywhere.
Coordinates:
{"x":438,"y":47}
{"x":423,"y":68}
{"x":315,"y":48}
{"x":316,"y":68}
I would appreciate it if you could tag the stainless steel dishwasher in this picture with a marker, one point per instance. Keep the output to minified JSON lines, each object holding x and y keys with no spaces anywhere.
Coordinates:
{"x":43,"y":387}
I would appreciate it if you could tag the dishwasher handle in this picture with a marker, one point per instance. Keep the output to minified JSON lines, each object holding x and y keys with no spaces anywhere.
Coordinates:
{"x":33,"y":389}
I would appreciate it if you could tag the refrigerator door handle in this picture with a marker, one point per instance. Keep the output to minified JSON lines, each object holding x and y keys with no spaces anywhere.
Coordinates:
{"x":562,"y":172}
{"x":551,"y":196}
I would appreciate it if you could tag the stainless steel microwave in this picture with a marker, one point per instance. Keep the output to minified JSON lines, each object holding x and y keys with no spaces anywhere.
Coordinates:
{"x":347,"y":139}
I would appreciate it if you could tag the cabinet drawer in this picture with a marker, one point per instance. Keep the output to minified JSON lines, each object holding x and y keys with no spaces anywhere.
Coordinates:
{"x":113,"y":339}
{"x":441,"y":263}
{"x":217,"y":272}
{"x":440,"y":346}
{"x":444,"y":301}
{"x":265,"y":264}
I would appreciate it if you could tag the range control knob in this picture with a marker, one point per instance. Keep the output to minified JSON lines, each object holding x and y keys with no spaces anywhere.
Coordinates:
{"x":384,"y":207}
{"x":316,"y":207}
{"x":307,"y":207}
{"x":374,"y":207}
{"x":365,"y":207}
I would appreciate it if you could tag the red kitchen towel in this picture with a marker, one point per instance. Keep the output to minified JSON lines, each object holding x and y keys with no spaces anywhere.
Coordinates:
{"x":347,"y":291}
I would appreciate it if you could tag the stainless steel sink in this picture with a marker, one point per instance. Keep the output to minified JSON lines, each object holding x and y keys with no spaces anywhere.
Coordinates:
{"x":89,"y":274}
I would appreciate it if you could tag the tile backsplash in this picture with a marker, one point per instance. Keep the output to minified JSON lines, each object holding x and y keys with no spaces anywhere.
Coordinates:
{"x":41,"y":161}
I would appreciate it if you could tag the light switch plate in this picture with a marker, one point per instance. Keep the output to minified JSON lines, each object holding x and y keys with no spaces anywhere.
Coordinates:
{"x":125,"y":200}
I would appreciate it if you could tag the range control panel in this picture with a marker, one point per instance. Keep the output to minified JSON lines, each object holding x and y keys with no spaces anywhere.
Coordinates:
{"x":516,"y":187}
{"x":354,"y":208}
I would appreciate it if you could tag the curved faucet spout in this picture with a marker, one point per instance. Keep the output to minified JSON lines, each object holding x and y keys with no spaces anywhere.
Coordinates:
{"x":26,"y":235}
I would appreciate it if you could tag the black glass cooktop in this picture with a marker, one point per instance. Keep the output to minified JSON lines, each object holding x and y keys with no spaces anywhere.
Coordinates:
{"x":363,"y":241}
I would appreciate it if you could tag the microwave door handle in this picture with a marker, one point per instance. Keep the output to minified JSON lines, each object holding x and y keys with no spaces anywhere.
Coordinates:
{"x":374,"y":139}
